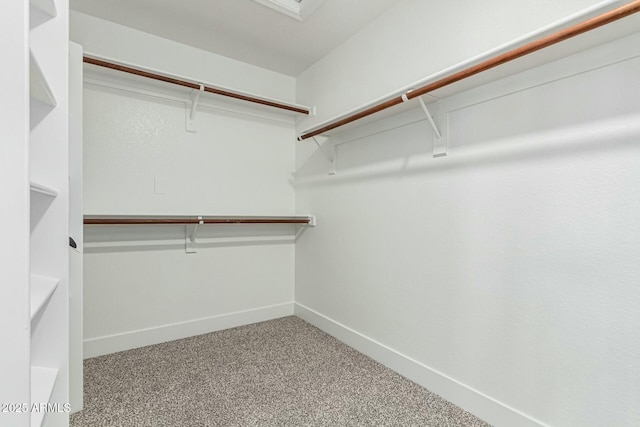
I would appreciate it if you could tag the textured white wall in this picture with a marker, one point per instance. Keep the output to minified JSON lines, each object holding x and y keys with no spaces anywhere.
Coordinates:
{"x":233,"y":165}
{"x":133,"y":289}
{"x":140,"y":286}
{"x":110,"y":40}
{"x":510,"y":266}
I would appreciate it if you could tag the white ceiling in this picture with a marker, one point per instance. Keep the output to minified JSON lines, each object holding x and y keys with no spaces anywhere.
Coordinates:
{"x":244,"y":29}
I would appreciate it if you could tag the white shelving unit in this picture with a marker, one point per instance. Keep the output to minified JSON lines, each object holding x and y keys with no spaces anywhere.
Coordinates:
{"x":49,"y":229}
{"x":34,"y":171}
{"x":38,"y":86}
{"x":43,"y":381}
{"x":47,"y":6}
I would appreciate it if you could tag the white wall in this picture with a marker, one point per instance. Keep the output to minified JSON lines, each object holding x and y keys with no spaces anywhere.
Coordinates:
{"x":504,"y":276}
{"x":231,"y":166}
{"x":137,"y":147}
{"x":140,"y":287}
{"x":416,"y":39}
{"x":110,"y":40}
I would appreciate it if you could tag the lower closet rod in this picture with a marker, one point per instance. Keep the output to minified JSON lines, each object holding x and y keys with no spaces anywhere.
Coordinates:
{"x":195,"y":220}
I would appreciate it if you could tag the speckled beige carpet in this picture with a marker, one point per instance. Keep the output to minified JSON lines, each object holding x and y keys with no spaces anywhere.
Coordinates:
{"x":283,"y":372}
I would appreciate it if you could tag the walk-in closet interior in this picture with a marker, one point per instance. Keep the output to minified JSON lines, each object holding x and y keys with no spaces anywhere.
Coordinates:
{"x":398,"y":212}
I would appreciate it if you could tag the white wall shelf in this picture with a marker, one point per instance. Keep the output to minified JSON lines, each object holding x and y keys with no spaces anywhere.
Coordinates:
{"x":44,"y":190}
{"x":39,"y":87}
{"x":195,"y":219}
{"x":48,"y":281}
{"x":47,"y":6}
{"x":494,"y":65}
{"x":42,"y":382}
{"x":34,"y":310}
{"x":42,"y":288}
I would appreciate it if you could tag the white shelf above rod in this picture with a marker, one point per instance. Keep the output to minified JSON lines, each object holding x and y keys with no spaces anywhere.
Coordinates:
{"x":193,"y":222}
{"x":196,"y":219}
{"x":38,"y":86}
{"x":206,"y":87}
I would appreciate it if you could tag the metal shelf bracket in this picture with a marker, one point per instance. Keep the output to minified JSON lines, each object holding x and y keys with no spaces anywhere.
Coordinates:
{"x":191,"y":231}
{"x":439,"y":142}
{"x":192,"y":106}
{"x":331,"y":156}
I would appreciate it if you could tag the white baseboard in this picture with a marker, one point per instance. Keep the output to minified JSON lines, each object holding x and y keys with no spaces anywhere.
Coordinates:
{"x":474,"y":401}
{"x":471,"y":400}
{"x":140,"y":338}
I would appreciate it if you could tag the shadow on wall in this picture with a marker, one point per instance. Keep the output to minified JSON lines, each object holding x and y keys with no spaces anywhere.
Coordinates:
{"x":132,"y":238}
{"x":408,"y":151}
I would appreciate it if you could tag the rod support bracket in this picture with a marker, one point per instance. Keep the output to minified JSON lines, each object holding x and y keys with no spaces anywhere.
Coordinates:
{"x":191,"y":231}
{"x":439,"y":141}
{"x":330,"y":155}
{"x":192,"y":106}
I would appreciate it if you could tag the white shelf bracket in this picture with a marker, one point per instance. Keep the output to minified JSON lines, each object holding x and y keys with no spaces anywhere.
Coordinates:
{"x":430,"y":118}
{"x":303,"y":227}
{"x":192,"y":106}
{"x":331,"y":156}
{"x":439,"y":143}
{"x":191,"y":231}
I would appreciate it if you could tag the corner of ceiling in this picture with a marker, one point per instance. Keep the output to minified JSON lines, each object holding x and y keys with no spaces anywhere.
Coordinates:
{"x":297,"y":9}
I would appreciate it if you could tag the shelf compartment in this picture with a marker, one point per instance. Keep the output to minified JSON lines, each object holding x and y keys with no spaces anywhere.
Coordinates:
{"x":47,"y":6}
{"x":43,"y":189}
{"x":39,"y":87}
{"x":42,"y":382}
{"x":42,"y":288}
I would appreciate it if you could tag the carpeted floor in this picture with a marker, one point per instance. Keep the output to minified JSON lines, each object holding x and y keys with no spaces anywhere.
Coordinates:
{"x":283,"y":372}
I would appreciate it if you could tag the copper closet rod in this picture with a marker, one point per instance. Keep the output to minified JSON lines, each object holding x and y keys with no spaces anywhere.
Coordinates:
{"x":557,"y":37}
{"x":195,"y":220}
{"x":191,"y":85}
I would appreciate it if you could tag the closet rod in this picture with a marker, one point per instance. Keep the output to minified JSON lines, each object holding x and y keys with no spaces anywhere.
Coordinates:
{"x":134,"y":220}
{"x":557,"y":37}
{"x":192,"y":85}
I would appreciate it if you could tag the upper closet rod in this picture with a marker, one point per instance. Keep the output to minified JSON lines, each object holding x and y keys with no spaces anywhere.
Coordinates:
{"x":557,"y":37}
{"x":141,"y":220}
{"x":196,"y":86}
